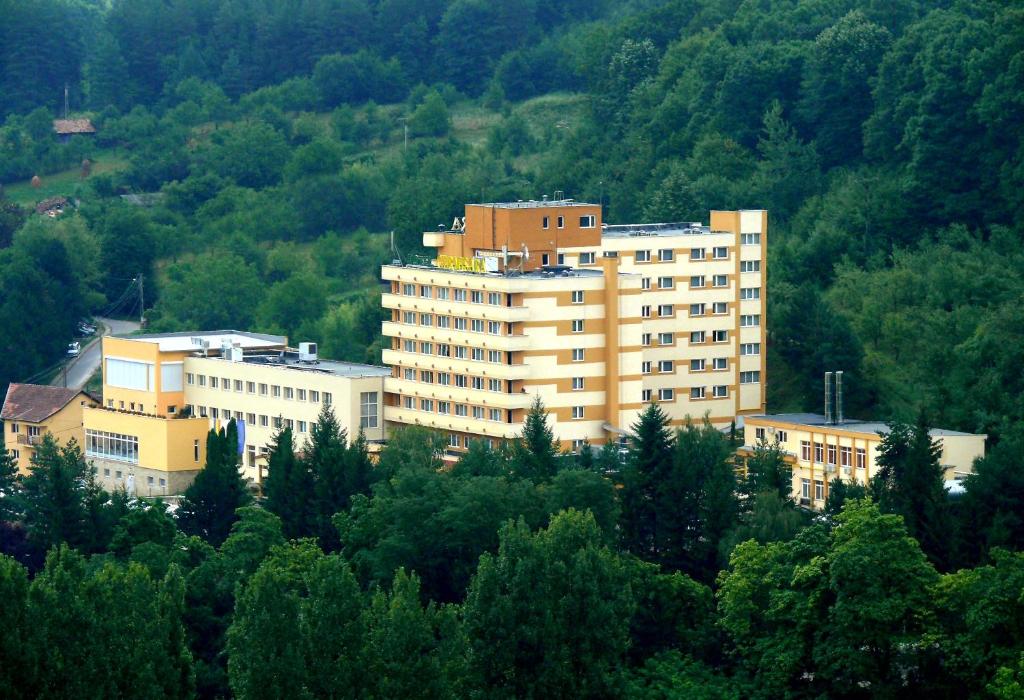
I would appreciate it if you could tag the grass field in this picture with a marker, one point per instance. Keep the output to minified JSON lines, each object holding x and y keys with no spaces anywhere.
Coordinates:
{"x":65,"y":182}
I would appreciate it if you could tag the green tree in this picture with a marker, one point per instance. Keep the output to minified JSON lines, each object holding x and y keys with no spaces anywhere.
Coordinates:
{"x":333,"y":630}
{"x":431,"y":118}
{"x":548,"y":616}
{"x":766,"y":470}
{"x":143,"y":523}
{"x":10,"y":486}
{"x":649,"y":463}
{"x":16,"y":654}
{"x":584,"y":490}
{"x":993,"y":504}
{"x":288,"y":488}
{"x":788,"y":171}
{"x":209,"y":504}
{"x":909,"y":482}
{"x":535,"y":452}
{"x":253,"y":154}
{"x":215,"y":290}
{"x":292,"y":305}
{"x":56,"y":496}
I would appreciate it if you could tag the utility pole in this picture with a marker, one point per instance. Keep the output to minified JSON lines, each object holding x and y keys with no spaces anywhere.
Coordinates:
{"x":142,"y":301}
{"x":65,"y":100}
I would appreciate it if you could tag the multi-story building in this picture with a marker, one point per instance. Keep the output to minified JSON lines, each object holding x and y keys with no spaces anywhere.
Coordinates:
{"x":820,"y":449}
{"x":163,"y":392}
{"x":540,"y":298}
{"x":31,"y":411}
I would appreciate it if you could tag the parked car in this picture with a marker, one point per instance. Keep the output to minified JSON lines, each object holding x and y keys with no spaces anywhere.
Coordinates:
{"x":86,"y":328}
{"x":74,"y":349}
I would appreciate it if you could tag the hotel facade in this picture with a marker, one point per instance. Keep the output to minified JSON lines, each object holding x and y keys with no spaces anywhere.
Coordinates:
{"x":529,"y":299}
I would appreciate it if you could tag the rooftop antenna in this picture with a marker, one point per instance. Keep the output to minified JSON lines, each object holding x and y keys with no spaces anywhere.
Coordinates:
{"x":828,"y":398}
{"x":395,"y":252}
{"x":839,"y":397}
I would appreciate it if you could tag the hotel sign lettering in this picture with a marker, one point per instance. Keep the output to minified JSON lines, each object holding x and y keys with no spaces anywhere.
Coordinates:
{"x":459,"y":264}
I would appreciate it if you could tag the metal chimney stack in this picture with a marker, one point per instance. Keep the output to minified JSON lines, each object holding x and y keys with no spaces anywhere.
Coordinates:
{"x":839,"y":396}
{"x":828,"y":398}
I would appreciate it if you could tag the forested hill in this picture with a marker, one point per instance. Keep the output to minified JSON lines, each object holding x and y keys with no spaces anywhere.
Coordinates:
{"x":884,"y":138}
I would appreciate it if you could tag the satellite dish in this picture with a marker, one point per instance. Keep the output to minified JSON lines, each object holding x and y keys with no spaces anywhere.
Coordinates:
{"x":526,"y":252}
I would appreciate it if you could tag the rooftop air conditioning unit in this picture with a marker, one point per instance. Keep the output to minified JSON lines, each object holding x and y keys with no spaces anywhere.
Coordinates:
{"x":235,"y":354}
{"x":307,"y":352}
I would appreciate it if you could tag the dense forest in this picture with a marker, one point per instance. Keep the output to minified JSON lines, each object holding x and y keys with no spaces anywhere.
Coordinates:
{"x":277,"y":143}
{"x":518,"y":573}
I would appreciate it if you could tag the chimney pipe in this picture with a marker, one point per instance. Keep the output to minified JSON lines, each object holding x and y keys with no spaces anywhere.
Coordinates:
{"x":839,"y":397}
{"x":828,"y":398}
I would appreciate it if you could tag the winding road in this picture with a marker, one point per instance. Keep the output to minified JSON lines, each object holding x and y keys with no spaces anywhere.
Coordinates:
{"x":79,"y":369}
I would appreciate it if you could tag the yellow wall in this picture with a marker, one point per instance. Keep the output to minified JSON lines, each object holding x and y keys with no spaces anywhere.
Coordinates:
{"x":165,"y":444}
{"x":155,"y":401}
{"x":64,"y":425}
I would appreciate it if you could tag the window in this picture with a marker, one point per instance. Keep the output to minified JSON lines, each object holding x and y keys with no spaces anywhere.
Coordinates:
{"x":127,"y":374}
{"x":442,"y":293}
{"x":720,"y":281}
{"x":696,"y":337}
{"x":781,"y":436}
{"x":494,"y":385}
{"x":426,"y":376}
{"x":460,"y":324}
{"x":477,"y":354}
{"x":720,"y":391}
{"x":250,"y":387}
{"x":409,"y":345}
{"x":577,"y":296}
{"x":666,"y":338}
{"x":586,"y":258}
{"x":546,"y":223}
{"x":577,"y":355}
{"x":805,"y":488}
{"x":750,"y":266}
{"x":444,"y":378}
{"x":750,"y":293}
{"x":819,"y":490}
{"x":759,"y":434}
{"x":190,"y":378}
{"x":666,"y":283}
{"x":577,"y":326}
{"x":493,"y":298}
{"x":172,"y":409}
{"x":460,"y":410}
{"x":750,"y":348}
{"x":427,"y":348}
{"x":444,"y":321}
{"x":478,"y":383}
{"x":750,"y":239}
{"x":116,"y":446}
{"x":214,"y":382}
{"x":225,"y":384}
{"x":577,"y":412}
{"x":577,"y":445}
{"x":275,"y":391}
{"x":696,"y":365}
{"x":408,"y":402}
{"x":561,"y":258}
{"x":832,"y":454}
{"x":645,"y":283}
{"x":494,"y":356}
{"x":862,"y":458}
{"x":238,"y":385}
{"x":453,"y":438}
{"x":477,"y":325}
{"x":805,"y":450}
{"x":409,"y":290}
{"x":277,"y":422}
{"x":214,"y":412}
{"x":561,"y":222}
{"x":666,"y":394}
{"x":460,"y":381}
{"x":697,"y":392}
{"x":314,"y":396}
{"x":666,"y":310}
{"x":696,"y":281}
{"x":645,"y":395}
{"x":645,"y":367}
{"x":427,"y":405}
{"x":696,"y":309}
{"x":750,"y":377}
{"x":697,"y":254}
{"x":645,"y":339}
{"x":460,"y":295}
{"x":494,"y":414}
{"x":494,"y":327}
{"x":845,"y":456}
{"x":327,"y":398}
{"x":202,"y":380}
{"x":645,"y":310}
{"x":666,"y":366}
{"x":14,"y":428}
{"x":719,"y":308}
{"x":589,"y":221}
{"x":577,"y":383}
{"x":460,"y":352}
{"x":444,"y":350}
{"x":819,"y":452}
{"x":289,"y":393}
{"x":426,"y":319}
{"x":264,"y":421}
{"x":643,"y":256}
{"x":545,"y":260}
{"x":476,"y":297}
{"x":478,"y":412}
{"x":750,"y":320}
{"x":426,"y":291}
{"x":444,"y":407}
{"x":720,"y":253}
{"x":302,"y":394}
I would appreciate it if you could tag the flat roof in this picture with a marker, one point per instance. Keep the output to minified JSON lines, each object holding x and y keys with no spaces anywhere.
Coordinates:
{"x":289,"y":360}
{"x":532,"y":274}
{"x":533,"y":204}
{"x":816,"y":420}
{"x":681,"y":228}
{"x":193,"y":340}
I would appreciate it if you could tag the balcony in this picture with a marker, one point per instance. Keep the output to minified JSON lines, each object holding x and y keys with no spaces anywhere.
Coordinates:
{"x":453,"y":337}
{"x":477,"y":397}
{"x":461,"y":424}
{"x":29,"y":439}
{"x":455,"y":308}
{"x":449,"y":364}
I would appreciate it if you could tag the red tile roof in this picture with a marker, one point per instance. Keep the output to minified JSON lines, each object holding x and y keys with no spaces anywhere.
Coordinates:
{"x":34,"y":403}
{"x":73,"y":126}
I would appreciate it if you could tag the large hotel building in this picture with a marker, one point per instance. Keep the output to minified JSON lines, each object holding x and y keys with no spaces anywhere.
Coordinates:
{"x":540,"y":298}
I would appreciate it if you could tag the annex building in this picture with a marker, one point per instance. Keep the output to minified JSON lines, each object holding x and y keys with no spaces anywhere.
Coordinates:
{"x":822,"y":448}
{"x":31,"y":411}
{"x":540,"y":298}
{"x":162,"y":393}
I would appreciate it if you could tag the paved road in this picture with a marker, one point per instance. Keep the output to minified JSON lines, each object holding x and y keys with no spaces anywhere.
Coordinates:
{"x":82,"y":367}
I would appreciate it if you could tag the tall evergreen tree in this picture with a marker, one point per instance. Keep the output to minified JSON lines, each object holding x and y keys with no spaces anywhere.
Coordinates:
{"x":535,"y":452}
{"x":10,"y":487}
{"x":767,"y":471}
{"x":909,"y":482}
{"x":289,"y":489}
{"x":55,"y":495}
{"x":649,"y":463}
{"x":209,"y":503}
